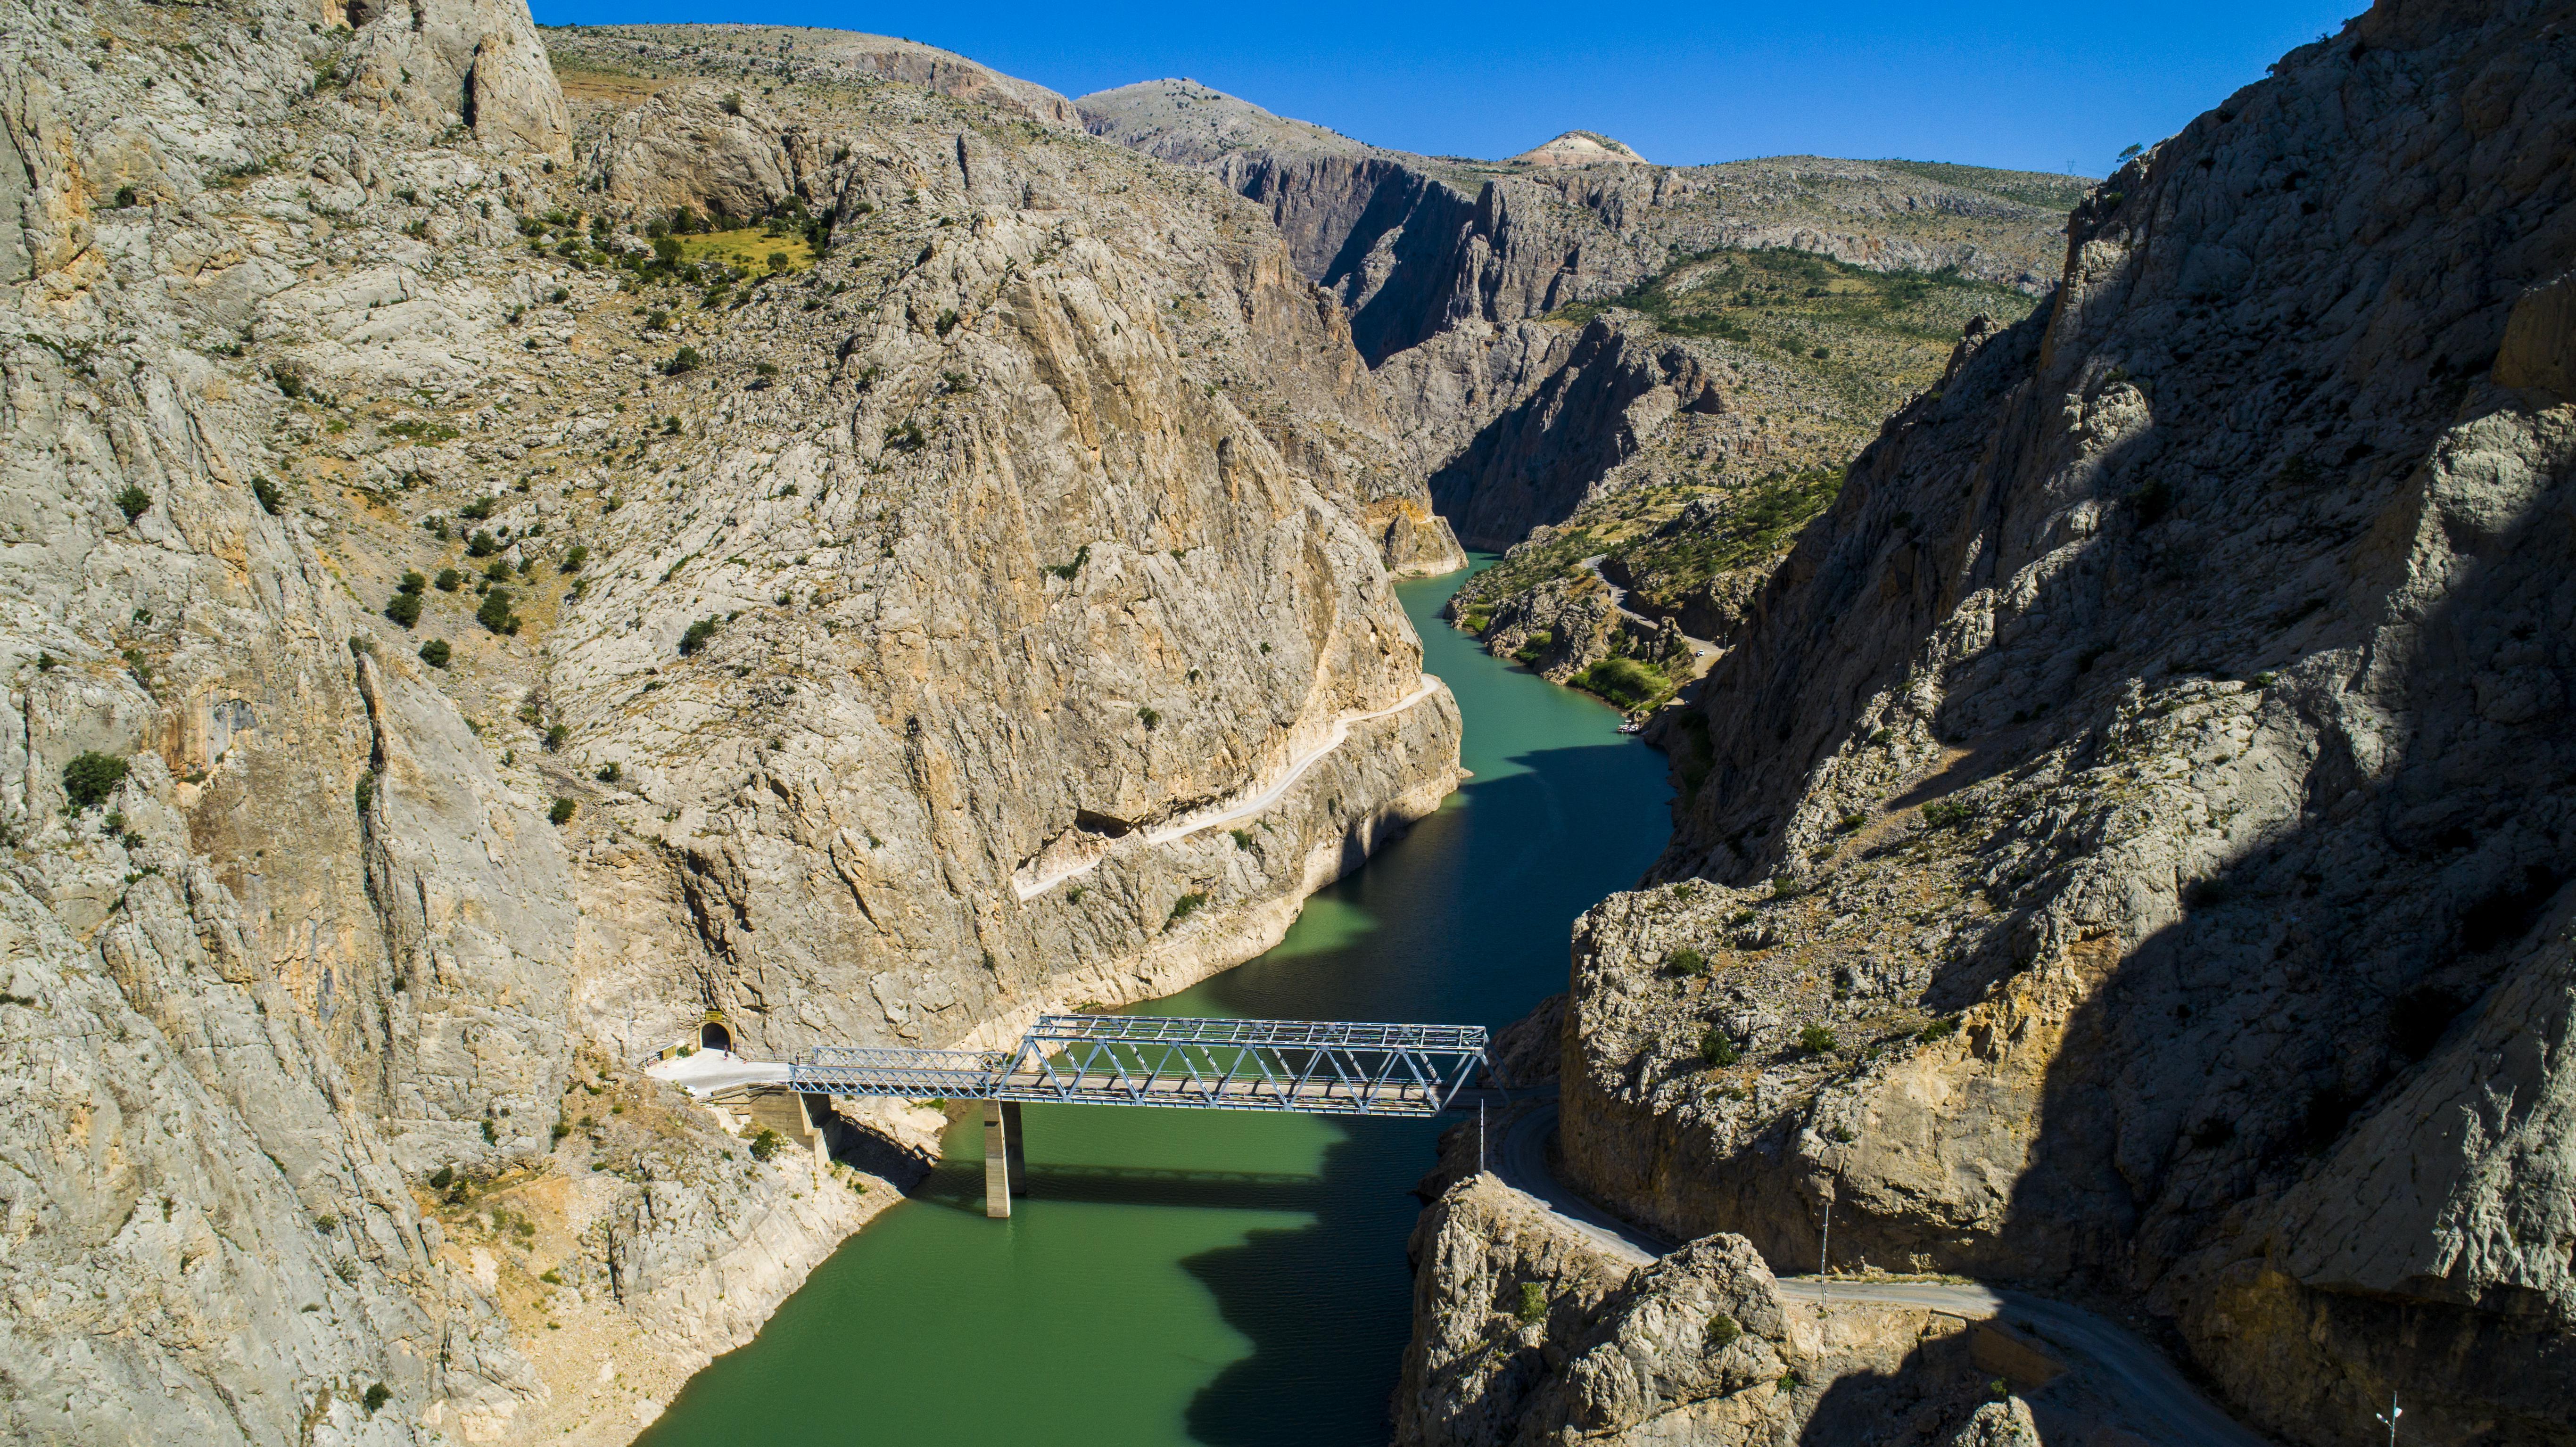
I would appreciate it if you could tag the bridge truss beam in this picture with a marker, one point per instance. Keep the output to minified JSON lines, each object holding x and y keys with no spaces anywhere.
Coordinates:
{"x":1312,"y":1067}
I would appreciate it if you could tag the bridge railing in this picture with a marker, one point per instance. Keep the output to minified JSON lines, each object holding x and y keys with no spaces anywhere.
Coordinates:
{"x":856,"y":1070}
{"x":1310,"y":1066}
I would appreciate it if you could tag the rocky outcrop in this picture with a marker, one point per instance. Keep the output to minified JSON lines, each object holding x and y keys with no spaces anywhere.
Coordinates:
{"x":2125,"y":846}
{"x":455,"y":649}
{"x":1527,"y":1331}
{"x":1580,"y":148}
{"x":714,"y":150}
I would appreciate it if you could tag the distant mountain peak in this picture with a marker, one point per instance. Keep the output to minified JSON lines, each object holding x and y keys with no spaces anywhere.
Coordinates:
{"x":1581,"y":148}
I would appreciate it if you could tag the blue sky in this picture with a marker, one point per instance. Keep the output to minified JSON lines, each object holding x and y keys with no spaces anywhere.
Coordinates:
{"x":2041,"y":86}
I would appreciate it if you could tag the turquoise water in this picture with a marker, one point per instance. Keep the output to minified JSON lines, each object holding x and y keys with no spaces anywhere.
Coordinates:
{"x":1212,"y":1277}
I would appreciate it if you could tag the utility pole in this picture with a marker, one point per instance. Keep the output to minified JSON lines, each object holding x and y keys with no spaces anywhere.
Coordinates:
{"x":2391,"y":1415}
{"x":1824,"y":1260}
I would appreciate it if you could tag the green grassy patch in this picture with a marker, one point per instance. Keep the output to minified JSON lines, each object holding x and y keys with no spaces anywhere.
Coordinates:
{"x":1630,"y":684}
{"x":748,"y":248}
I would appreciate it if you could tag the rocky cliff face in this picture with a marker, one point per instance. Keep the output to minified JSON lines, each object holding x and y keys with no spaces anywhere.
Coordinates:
{"x":839,"y":622}
{"x":1527,"y":1332}
{"x":2126,"y":845}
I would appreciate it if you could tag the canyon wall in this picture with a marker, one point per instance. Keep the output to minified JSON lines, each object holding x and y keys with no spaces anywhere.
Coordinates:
{"x":842,"y":617}
{"x":2125,"y":847}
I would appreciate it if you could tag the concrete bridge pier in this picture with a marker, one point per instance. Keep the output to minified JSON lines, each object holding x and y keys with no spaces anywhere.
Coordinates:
{"x":1006,"y":1163}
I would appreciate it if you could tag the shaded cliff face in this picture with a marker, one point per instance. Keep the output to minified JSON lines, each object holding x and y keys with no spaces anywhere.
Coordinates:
{"x":2125,"y":846}
{"x":841,"y":641}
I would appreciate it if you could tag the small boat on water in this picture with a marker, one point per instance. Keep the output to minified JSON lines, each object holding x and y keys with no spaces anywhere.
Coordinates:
{"x":1632,"y":726}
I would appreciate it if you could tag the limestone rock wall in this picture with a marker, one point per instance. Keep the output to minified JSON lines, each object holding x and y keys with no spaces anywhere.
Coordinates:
{"x":1528,"y":1332}
{"x":2127,"y":840}
{"x":976,"y":592}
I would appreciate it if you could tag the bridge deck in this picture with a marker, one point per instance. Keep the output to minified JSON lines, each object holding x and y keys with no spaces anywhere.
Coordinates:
{"x":1308,"y":1066}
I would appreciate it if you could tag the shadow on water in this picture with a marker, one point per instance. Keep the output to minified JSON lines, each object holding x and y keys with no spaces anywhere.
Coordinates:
{"x":1326,"y":1306}
{"x":1471,"y":916}
{"x":959,"y":1188}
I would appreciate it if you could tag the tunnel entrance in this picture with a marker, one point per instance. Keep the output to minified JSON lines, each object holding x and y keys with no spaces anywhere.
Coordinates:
{"x":713,"y":1036}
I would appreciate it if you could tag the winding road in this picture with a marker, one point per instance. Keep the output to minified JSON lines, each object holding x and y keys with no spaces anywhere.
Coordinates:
{"x":1701,"y":649}
{"x":2134,"y":1375}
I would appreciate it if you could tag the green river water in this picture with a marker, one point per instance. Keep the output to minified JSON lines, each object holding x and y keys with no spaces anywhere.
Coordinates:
{"x":1214,"y":1277}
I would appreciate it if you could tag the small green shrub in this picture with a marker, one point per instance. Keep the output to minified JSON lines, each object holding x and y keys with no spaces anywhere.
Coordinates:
{"x":477,"y":510}
{"x":947,"y":322}
{"x":1066,"y":571}
{"x":91,"y":777}
{"x":1816,"y":1040}
{"x":732,"y":104}
{"x":495,"y":613}
{"x":1722,"y":1332}
{"x":1686,"y":961}
{"x":497,"y":571}
{"x":1533,"y":1307}
{"x":1183,"y":907}
{"x":1148,"y":717}
{"x":573,"y":558}
{"x":683,"y":362}
{"x":134,"y":502}
{"x":1947,"y":813}
{"x":765,"y":1144}
{"x":491,"y":1134}
{"x":435,"y":653}
{"x":555,"y":736}
{"x":449,"y":580}
{"x":609,"y":773}
{"x":442,"y":1178}
{"x":1718,"y":1050}
{"x":561,"y":813}
{"x":266,"y":491}
{"x":376,"y":1396}
{"x":404,"y":608}
{"x":481,"y":545}
{"x":1941,"y":1029}
{"x":695,"y":637}
{"x":1242,"y":838}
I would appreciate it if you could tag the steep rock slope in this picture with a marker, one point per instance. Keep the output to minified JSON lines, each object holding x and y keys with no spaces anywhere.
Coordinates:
{"x":1659,"y":476}
{"x":836,"y":626}
{"x":777,"y":55}
{"x":2126,"y":847}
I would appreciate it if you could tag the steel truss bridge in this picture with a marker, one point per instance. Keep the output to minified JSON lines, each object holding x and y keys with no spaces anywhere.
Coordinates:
{"x":1314,"y":1067}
